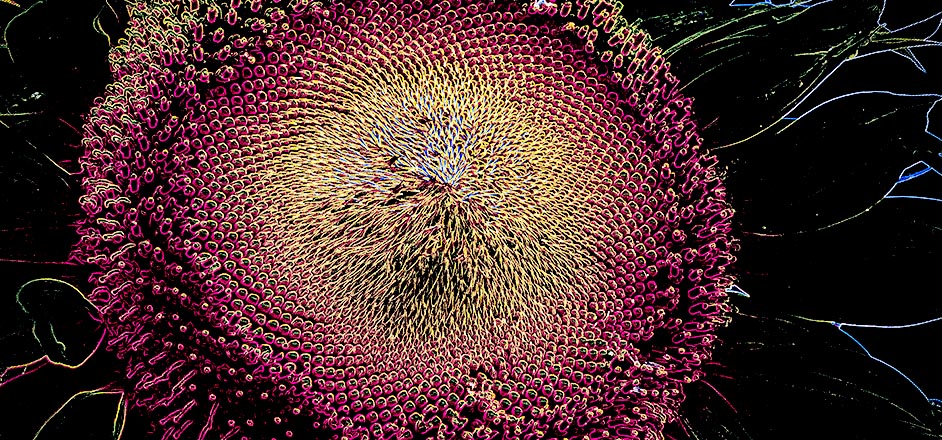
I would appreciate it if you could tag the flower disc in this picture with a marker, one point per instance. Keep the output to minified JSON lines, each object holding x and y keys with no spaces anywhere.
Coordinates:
{"x":401,"y":220}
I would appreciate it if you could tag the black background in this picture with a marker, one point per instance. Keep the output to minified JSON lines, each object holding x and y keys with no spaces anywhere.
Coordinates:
{"x":818,"y":238}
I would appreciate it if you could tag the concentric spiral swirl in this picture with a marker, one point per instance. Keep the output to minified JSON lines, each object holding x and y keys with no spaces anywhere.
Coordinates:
{"x":430,"y":219}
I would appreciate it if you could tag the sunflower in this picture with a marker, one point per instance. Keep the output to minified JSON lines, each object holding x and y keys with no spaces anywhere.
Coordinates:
{"x":410,"y":220}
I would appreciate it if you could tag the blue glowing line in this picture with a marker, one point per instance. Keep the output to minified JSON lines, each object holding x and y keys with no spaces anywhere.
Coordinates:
{"x":909,"y":55}
{"x":931,"y":199}
{"x":904,"y":177}
{"x":839,"y":326}
{"x":738,"y":291}
{"x":907,"y":174}
{"x":916,"y":23}
{"x":931,"y":107}
{"x":867,"y":92}
{"x":915,"y":324}
{"x":791,"y":4}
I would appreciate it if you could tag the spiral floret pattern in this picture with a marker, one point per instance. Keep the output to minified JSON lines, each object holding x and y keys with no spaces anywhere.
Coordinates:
{"x":438,"y":219}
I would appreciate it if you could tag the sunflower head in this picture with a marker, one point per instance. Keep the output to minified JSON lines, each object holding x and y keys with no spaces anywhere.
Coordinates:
{"x":401,"y":220}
